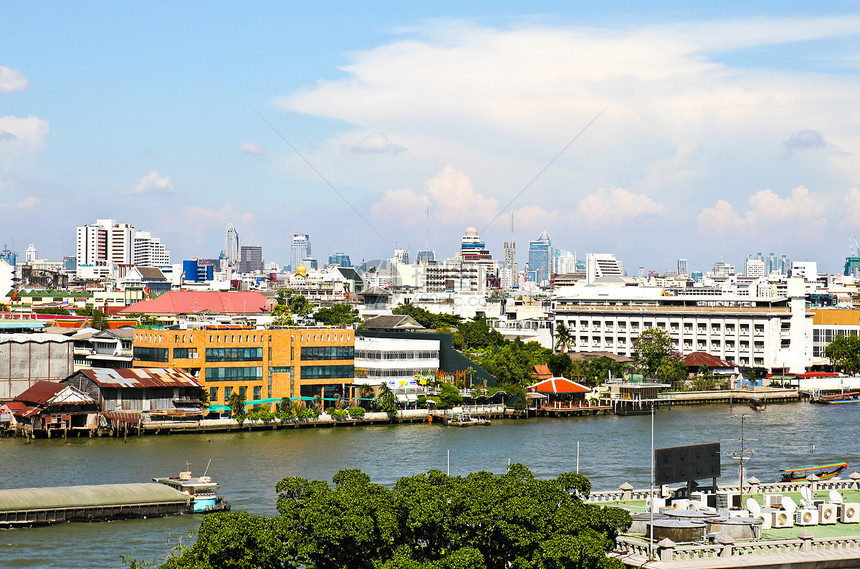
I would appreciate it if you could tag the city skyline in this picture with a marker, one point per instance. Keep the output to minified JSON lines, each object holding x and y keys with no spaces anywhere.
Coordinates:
{"x":614,"y":128}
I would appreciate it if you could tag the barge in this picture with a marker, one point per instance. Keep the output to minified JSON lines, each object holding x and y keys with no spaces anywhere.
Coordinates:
{"x":26,"y":507}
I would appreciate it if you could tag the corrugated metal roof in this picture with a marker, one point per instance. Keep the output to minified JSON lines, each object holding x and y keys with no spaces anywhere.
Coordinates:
{"x":82,"y":496}
{"x":41,"y":392}
{"x":697,"y":359}
{"x":140,"y":377}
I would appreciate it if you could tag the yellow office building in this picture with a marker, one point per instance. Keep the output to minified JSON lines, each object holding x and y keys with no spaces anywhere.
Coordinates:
{"x":259,"y":364}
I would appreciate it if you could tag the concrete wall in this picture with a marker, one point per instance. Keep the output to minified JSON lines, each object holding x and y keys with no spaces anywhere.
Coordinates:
{"x":28,"y":358}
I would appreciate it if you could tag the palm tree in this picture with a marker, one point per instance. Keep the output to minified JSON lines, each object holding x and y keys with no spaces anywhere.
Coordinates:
{"x":236,"y":403}
{"x":563,"y":338}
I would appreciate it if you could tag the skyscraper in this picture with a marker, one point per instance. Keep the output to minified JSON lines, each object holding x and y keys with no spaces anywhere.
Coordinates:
{"x":682,"y":267}
{"x":508,"y":276}
{"x":105,"y":240}
{"x":339,"y":259}
{"x":231,"y":246}
{"x":300,"y":249}
{"x":540,"y":258}
{"x":148,"y":251}
{"x":250,"y":258}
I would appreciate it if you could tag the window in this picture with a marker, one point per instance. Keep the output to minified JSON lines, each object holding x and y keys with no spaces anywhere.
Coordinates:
{"x":228,"y":391}
{"x":257,"y":392}
{"x":150,"y":354}
{"x":243,"y":390}
{"x":213,"y":394}
{"x":327,"y":353}
{"x":184,"y":353}
{"x":327,"y":372}
{"x":234,"y":354}
{"x":234,"y":374}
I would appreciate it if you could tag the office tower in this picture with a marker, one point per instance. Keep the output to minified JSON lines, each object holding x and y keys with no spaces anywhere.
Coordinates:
{"x":149,"y":251}
{"x":508,"y":276}
{"x":540,"y":258}
{"x":682,"y":267}
{"x":563,"y":262}
{"x":250,"y":258}
{"x":425,"y":256}
{"x":300,"y":249}
{"x":340,"y":260}
{"x":106,"y":241}
{"x":231,"y":246}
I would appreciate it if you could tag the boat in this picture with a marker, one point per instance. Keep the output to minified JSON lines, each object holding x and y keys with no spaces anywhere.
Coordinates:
{"x":200,"y":490}
{"x":757,"y":404}
{"x":822,"y":472}
{"x":837,"y":398}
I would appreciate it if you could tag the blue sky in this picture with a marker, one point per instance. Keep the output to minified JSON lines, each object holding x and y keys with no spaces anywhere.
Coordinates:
{"x":721,"y":130}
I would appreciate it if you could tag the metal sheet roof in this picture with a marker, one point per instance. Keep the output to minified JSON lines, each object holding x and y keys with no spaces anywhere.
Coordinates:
{"x":140,"y":377}
{"x":81,"y":496}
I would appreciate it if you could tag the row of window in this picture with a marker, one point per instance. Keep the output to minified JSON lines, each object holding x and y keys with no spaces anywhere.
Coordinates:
{"x":228,"y":391}
{"x":410,"y":372}
{"x":401,"y":355}
{"x":234,"y":374}
{"x":716,"y":327}
{"x":328,"y":372}
{"x":150,"y":354}
{"x":328,"y":353}
{"x":234,"y":354}
{"x":185,"y":353}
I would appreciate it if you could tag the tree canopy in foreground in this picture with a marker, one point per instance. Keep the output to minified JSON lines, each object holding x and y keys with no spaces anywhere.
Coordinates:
{"x":428,"y":521}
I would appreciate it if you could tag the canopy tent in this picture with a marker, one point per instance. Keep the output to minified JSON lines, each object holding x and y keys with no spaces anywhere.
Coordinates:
{"x":218,"y":407}
{"x":557,"y":385}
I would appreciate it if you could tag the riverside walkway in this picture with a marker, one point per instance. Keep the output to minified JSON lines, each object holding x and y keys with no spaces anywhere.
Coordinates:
{"x":835,"y":545}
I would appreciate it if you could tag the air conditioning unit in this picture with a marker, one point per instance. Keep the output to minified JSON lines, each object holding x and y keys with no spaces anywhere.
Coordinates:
{"x":739,"y":513}
{"x":806,"y":517}
{"x":849,"y":513}
{"x":681,"y":504}
{"x":766,"y":520}
{"x":781,"y":519}
{"x":655,"y":504}
{"x":773,"y":501}
{"x":827,"y":513}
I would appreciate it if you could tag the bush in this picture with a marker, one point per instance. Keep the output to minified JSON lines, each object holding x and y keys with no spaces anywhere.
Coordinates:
{"x":330,"y":410}
{"x":339,"y":413}
{"x":356,"y":411}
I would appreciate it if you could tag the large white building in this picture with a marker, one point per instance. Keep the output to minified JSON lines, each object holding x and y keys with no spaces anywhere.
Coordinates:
{"x":772,"y":333}
{"x":598,"y":265}
{"x":149,"y":251}
{"x":395,"y":361}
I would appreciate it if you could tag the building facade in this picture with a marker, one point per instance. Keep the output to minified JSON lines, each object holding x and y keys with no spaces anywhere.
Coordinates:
{"x":540,"y":258}
{"x":149,"y":251}
{"x":250,"y":259}
{"x":300,"y":249}
{"x":231,"y":247}
{"x":259,"y":364}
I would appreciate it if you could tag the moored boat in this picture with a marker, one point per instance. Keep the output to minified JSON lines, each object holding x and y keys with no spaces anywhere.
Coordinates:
{"x":837,"y":398}
{"x":200,"y":490}
{"x":822,"y":472}
{"x":757,"y":404}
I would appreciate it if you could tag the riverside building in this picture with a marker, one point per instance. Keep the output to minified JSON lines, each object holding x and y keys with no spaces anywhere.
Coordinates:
{"x":259,"y":364}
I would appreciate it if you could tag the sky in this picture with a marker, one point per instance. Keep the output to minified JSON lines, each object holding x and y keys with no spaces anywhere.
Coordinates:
{"x":705,"y":131}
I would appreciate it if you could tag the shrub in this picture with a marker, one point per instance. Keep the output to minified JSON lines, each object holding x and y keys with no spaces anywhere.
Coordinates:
{"x":356,"y":411}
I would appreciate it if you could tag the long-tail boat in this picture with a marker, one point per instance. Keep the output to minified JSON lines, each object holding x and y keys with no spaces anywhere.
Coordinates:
{"x":822,"y":472}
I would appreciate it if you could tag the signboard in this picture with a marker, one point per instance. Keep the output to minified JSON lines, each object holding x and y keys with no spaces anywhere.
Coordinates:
{"x":683,"y":464}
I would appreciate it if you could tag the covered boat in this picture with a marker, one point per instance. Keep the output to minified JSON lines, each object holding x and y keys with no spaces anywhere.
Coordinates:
{"x":836,"y":398}
{"x":822,"y":472}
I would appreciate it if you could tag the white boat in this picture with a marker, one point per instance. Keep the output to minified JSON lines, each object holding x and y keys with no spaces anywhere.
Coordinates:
{"x":201,"y":491}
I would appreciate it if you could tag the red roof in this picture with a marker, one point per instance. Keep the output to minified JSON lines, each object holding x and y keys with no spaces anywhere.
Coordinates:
{"x":194,"y":302}
{"x":698,"y":359}
{"x":141,"y":377}
{"x":41,"y":392}
{"x":557,"y":385}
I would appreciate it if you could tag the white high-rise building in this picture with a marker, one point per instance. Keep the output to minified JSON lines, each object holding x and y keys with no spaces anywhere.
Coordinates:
{"x":30,"y":254}
{"x":105,"y":240}
{"x":508,"y":274}
{"x":300,"y":249}
{"x":563,"y":262}
{"x":149,"y":251}
{"x":602,"y":265}
{"x":682,"y":267}
{"x":231,"y":246}
{"x":754,"y":268}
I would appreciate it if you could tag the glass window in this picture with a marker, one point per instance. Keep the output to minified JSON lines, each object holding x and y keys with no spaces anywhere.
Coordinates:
{"x":228,"y":391}
{"x":150,"y":354}
{"x":213,"y":394}
{"x":234,"y":374}
{"x":234,"y":354}
{"x":257,"y":392}
{"x":327,"y":372}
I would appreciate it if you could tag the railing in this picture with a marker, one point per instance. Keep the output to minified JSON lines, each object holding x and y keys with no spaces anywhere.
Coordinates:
{"x":838,"y":484}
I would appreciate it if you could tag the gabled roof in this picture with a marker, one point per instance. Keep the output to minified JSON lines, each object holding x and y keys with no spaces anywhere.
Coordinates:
{"x":374,"y":291}
{"x":392,"y":322}
{"x":151,"y":273}
{"x":45,"y":393}
{"x":557,"y":385}
{"x":195,"y":302}
{"x":588,"y":356}
{"x":540,"y":371}
{"x":698,"y":359}
{"x":140,"y":377}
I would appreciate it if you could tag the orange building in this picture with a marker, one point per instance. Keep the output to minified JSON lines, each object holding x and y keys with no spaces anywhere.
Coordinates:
{"x":259,"y":364}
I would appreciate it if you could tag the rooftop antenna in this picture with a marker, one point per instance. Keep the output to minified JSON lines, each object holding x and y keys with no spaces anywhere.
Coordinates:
{"x":427,"y":244}
{"x":742,"y":456}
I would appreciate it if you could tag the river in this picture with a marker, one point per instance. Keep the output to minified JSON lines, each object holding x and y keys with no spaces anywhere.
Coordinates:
{"x":613,"y":450}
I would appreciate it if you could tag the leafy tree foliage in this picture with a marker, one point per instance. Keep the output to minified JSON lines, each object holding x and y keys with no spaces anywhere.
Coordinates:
{"x":428,"y":521}
{"x":596,"y":371}
{"x":336,"y":315}
{"x":650,"y":349}
{"x":672,"y":369}
{"x":476,"y":334}
{"x":560,"y":365}
{"x":52,"y":310}
{"x":236,"y":403}
{"x":427,"y":318}
{"x":844,"y":353}
{"x":563,"y":338}
{"x":513,"y":362}
{"x":449,"y":396}
{"x":386,"y":402}
{"x":300,"y":306}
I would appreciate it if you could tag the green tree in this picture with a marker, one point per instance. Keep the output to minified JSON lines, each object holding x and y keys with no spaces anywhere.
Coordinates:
{"x":236,"y":403}
{"x":672,"y":370}
{"x":52,"y":310}
{"x":427,"y":318}
{"x":449,"y":396}
{"x":560,"y":365}
{"x":513,"y":362}
{"x":99,"y":320}
{"x":649,"y":350}
{"x":563,"y":338}
{"x":428,"y":521}
{"x":844,"y":353}
{"x":338,"y":314}
{"x":281,"y":315}
{"x":300,"y":306}
{"x":598,"y":370}
{"x":386,"y":401}
{"x":476,"y":334}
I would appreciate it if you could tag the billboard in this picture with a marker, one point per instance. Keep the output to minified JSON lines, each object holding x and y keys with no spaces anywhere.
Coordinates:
{"x":683,"y":464}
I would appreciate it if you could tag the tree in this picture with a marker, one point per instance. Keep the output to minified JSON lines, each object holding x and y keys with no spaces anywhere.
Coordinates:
{"x":563,"y":338}
{"x":598,"y":370}
{"x":386,"y":401}
{"x":649,"y":350}
{"x":559,"y":364}
{"x":300,"y":306}
{"x":428,"y":521}
{"x":338,"y":314}
{"x":99,"y":320}
{"x":672,"y":369}
{"x":844,"y":353}
{"x":449,"y":396}
{"x":236,"y":402}
{"x":476,"y":334}
{"x":427,"y":318}
{"x":513,"y":361}
{"x":281,"y":315}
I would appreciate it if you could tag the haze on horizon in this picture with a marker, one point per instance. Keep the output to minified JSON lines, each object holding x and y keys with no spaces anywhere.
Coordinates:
{"x":720,"y":131}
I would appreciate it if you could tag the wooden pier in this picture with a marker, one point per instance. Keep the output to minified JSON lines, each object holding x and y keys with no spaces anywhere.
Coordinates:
{"x":561,"y":410}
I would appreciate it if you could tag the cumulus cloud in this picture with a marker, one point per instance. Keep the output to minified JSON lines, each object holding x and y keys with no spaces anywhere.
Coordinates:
{"x":205,"y":217}
{"x":6,"y":135}
{"x":614,"y":206}
{"x":405,"y":206}
{"x":767,"y":210}
{"x":151,"y":183}
{"x":12,"y":80}
{"x":29,"y":202}
{"x":377,"y":143}
{"x":252,"y":149}
{"x":534,"y":216}
{"x":803,"y":140}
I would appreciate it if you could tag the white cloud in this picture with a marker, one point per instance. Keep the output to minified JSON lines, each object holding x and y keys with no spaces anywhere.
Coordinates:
{"x":615,"y":206}
{"x":767,"y":212}
{"x":252,"y":149}
{"x":151,"y":183}
{"x":12,"y":80}
{"x":535,"y":217}
{"x":20,"y":139}
{"x":29,"y":202}
{"x":205,"y":217}
{"x":403,"y":206}
{"x":377,"y":143}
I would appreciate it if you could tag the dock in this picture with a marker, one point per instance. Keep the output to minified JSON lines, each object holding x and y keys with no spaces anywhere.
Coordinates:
{"x":731,"y":396}
{"x":559,"y":409}
{"x":26,"y":507}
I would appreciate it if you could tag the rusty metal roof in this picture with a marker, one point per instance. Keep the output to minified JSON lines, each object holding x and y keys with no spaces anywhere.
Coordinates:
{"x":140,"y":377}
{"x":41,"y":392}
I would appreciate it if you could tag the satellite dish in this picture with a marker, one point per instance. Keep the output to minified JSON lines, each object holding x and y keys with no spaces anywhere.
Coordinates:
{"x":753,"y":506}
{"x":788,"y":504}
{"x":835,"y":497}
{"x":806,"y":493}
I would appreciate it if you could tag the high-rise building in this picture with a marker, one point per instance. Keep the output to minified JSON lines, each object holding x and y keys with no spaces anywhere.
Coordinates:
{"x":401,"y":256}
{"x":250,"y":258}
{"x":754,"y":268}
{"x":300,"y":249}
{"x":540,"y":258}
{"x":231,"y":246}
{"x":106,"y":241}
{"x":508,"y":275}
{"x":602,"y":265}
{"x":149,"y":251}
{"x":30,"y":254}
{"x":339,"y":259}
{"x":425,"y":256}
{"x":682,"y":267}
{"x":563,"y":262}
